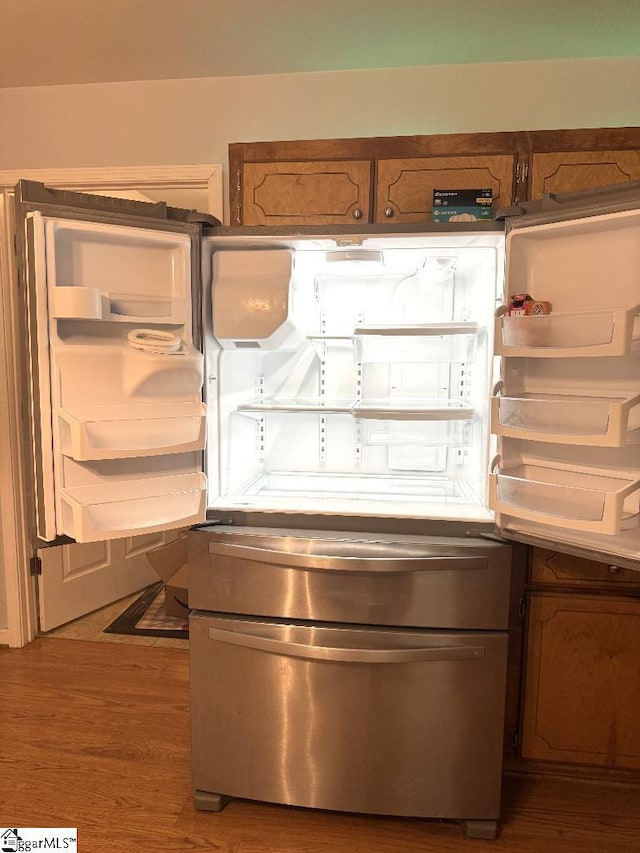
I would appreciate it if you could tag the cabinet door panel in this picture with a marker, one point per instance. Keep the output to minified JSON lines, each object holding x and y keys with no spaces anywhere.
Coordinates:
{"x":553,"y":567}
{"x":582,"y":689}
{"x":566,"y":171}
{"x":299,"y":193}
{"x":404,"y":187}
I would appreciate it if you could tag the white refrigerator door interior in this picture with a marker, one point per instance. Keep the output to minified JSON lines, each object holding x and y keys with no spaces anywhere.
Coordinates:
{"x":121,"y":418}
{"x":567,"y":412}
{"x":353,"y":381}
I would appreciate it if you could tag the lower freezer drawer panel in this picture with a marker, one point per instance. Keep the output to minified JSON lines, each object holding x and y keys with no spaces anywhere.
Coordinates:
{"x":368,"y":579}
{"x":403,"y":722}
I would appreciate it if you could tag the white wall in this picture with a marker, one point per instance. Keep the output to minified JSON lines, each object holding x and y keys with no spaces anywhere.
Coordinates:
{"x":193,"y":121}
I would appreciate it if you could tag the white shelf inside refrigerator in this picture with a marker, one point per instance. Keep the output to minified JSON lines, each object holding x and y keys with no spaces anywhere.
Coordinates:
{"x":121,"y":431}
{"x":319,"y":405}
{"x":377,"y":409}
{"x":360,"y":487}
{"x":411,"y":496}
{"x":564,"y":496}
{"x":413,"y":409}
{"x":613,"y":332}
{"x":127,"y":507}
{"x":420,"y":329}
{"x":426,"y":343}
{"x":593,"y":419}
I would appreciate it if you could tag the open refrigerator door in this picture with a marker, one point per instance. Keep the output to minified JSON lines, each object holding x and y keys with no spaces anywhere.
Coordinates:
{"x":567,"y":411}
{"x":118,"y":420}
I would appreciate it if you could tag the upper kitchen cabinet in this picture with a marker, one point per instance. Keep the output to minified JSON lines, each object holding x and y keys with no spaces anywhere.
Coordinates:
{"x":346,"y":181}
{"x":392,"y":179}
{"x":331,"y":192}
{"x":565,"y":161}
{"x":404,"y":186}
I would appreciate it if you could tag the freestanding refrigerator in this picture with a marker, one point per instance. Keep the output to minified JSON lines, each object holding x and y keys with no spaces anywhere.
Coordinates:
{"x":369,"y":413}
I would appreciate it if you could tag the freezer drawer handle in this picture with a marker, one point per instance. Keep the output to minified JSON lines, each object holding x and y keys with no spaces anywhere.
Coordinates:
{"x":347,"y":655}
{"x":386,"y":563}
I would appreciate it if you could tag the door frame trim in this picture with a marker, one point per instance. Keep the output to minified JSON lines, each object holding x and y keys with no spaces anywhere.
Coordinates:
{"x":17,"y":545}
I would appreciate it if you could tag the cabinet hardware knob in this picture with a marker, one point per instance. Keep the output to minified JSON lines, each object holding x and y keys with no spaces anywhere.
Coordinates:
{"x":357,"y":213}
{"x":388,"y":211}
{"x":615,"y":570}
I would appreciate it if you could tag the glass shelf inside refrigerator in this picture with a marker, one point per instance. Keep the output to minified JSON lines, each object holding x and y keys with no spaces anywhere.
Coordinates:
{"x":429,"y":342}
{"x":594,"y":419}
{"x":568,"y":335}
{"x":126,"y":507}
{"x":566,"y":497}
{"x":319,"y":405}
{"x":411,"y":496}
{"x":120,"y":431}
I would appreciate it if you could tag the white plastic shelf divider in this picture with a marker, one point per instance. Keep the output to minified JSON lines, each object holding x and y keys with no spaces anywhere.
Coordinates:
{"x":130,"y":507}
{"x":564,"y":496}
{"x":613,"y":332}
{"x":595,"y":420}
{"x":118,"y":432}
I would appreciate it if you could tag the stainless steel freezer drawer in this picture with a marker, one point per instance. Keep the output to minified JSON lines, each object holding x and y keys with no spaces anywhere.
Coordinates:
{"x":414,"y":581}
{"x":403,"y":722}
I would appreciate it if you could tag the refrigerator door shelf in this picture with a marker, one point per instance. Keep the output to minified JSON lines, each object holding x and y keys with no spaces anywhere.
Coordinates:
{"x":565,"y":496}
{"x":596,"y":420}
{"x":126,"y":508}
{"x":116,"y":432}
{"x":569,"y":335}
{"x":89,"y":303}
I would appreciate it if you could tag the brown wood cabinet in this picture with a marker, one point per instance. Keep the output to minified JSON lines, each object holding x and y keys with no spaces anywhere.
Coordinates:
{"x":582,"y":682}
{"x":391,"y":179}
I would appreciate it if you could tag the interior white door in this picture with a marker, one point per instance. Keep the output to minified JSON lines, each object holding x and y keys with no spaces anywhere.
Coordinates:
{"x":79,"y":578}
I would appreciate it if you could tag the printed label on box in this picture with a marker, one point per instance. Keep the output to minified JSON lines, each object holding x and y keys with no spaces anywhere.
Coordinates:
{"x":461,"y":205}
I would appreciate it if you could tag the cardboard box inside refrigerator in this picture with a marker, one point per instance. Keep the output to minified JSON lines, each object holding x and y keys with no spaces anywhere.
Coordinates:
{"x":170,"y":563}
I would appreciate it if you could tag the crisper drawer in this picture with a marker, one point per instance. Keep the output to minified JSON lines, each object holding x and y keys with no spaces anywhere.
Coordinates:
{"x":381,"y":721}
{"x":361,"y":578}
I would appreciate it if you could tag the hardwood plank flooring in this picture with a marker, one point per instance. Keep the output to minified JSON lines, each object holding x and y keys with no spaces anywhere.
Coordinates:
{"x":96,"y":736}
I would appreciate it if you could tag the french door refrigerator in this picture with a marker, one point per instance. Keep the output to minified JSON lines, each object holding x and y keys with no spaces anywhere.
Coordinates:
{"x":374,"y":427}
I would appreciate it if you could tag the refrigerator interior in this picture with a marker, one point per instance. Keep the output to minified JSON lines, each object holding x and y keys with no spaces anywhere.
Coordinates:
{"x":351,"y":379}
{"x":567,"y":411}
{"x":121,"y":421}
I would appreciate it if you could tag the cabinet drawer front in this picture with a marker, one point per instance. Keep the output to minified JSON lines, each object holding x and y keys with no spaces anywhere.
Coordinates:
{"x":582,"y":689}
{"x":404,"y":187}
{"x":567,"y":171}
{"x":552,"y":567}
{"x":379,"y":721}
{"x":453,"y":586}
{"x":298,"y":193}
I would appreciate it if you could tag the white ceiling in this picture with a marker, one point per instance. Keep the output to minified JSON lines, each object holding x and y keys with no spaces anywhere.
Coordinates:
{"x":50,"y":42}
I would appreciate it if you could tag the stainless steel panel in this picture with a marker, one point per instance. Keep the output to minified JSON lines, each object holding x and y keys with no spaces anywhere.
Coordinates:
{"x":355,"y":719}
{"x":361,"y":578}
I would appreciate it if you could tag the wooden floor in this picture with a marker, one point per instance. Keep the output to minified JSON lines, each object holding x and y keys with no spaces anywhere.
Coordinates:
{"x":96,"y":736}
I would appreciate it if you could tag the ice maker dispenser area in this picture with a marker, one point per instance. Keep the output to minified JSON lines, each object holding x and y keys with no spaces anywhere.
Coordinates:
{"x":124,"y":412}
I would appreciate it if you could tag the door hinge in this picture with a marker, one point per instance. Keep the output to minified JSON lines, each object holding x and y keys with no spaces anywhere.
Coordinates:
{"x":522,"y":176}
{"x":522,"y":608}
{"x":239,"y":191}
{"x":35,"y":566}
